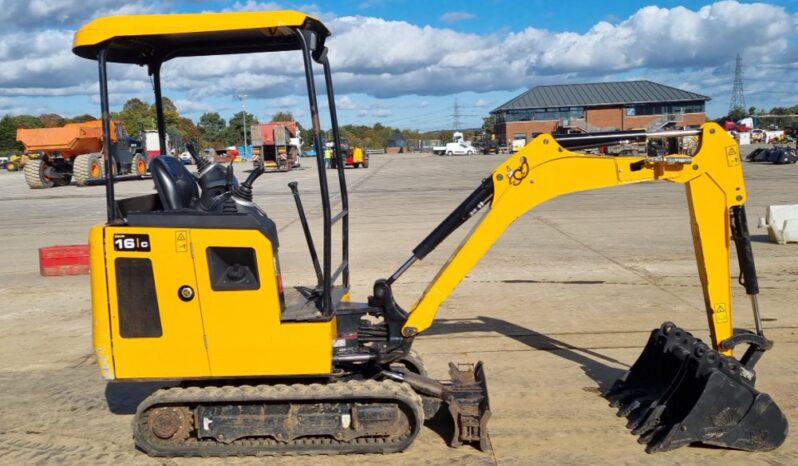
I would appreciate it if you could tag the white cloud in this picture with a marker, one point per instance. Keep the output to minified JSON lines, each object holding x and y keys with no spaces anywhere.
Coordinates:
{"x":117,"y":99}
{"x":43,"y":14}
{"x":87,"y":88}
{"x":452,"y":16}
{"x":345,"y":103}
{"x":434,"y":61}
{"x":693,"y":49}
{"x":11,"y":106}
{"x":380,"y":111}
{"x":287,"y":101}
{"x":252,"y":5}
{"x":193,"y":106}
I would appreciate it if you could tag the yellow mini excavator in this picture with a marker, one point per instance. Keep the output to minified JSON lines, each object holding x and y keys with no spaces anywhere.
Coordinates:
{"x":186,"y":286}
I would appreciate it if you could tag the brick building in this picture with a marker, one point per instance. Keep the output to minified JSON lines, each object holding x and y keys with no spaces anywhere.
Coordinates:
{"x":598,"y":107}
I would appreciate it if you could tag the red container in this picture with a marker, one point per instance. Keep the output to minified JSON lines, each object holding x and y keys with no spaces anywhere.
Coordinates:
{"x":72,"y":259}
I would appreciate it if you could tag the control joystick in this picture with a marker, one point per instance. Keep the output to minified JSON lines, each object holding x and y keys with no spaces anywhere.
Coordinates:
{"x":243,"y":192}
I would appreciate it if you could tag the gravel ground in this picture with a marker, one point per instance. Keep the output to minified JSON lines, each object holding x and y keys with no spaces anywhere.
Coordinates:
{"x":557,"y":310}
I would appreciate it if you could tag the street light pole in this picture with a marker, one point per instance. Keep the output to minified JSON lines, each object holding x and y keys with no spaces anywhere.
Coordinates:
{"x":243,"y":99}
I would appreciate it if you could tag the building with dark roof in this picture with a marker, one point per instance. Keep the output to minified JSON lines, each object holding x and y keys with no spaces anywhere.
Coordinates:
{"x":598,"y":107}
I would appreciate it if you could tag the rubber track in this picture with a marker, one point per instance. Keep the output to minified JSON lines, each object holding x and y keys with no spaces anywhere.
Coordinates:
{"x":321,"y":445}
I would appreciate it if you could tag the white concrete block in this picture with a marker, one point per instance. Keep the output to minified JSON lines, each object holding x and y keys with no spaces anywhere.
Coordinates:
{"x":781,"y":222}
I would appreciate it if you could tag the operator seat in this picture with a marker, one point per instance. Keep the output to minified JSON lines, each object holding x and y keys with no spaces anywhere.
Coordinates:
{"x":177,"y":188}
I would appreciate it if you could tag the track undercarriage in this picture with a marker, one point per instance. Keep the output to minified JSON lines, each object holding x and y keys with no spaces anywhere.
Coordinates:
{"x":339,"y":417}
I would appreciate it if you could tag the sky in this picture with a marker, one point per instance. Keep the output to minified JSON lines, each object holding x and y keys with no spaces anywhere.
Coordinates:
{"x":417,"y":64}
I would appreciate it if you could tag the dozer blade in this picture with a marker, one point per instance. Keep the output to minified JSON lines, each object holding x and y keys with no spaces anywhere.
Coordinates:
{"x":680,"y":391}
{"x":467,"y":399}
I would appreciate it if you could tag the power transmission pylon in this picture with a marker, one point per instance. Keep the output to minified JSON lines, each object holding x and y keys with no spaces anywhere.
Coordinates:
{"x":456,"y":115}
{"x":737,"y":97}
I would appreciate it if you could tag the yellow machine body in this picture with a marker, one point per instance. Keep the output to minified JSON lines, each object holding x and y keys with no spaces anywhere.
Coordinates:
{"x":239,"y":333}
{"x":186,"y":286}
{"x":194,"y":330}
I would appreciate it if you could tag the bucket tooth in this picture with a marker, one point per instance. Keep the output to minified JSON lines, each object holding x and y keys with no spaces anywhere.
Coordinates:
{"x":646,"y":438}
{"x":680,"y":391}
{"x":651,"y":376}
{"x":647,"y":421}
{"x":644,"y":420}
{"x":631,"y":384}
{"x":629,"y":407}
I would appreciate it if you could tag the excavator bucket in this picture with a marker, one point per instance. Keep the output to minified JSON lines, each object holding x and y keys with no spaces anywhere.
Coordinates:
{"x":680,"y":391}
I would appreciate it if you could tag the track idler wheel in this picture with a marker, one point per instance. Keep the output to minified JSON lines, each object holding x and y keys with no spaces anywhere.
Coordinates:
{"x":171,"y":422}
{"x":681,"y":391}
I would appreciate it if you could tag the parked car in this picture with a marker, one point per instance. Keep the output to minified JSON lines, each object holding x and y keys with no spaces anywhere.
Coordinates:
{"x":185,"y":157}
{"x":491,"y":146}
{"x":459,"y":146}
{"x":456,"y":148}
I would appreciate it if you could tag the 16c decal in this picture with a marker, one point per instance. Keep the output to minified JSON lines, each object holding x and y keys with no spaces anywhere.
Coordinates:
{"x":129,"y":242}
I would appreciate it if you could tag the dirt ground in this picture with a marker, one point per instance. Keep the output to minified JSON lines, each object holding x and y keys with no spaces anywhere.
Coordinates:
{"x":557,"y":310}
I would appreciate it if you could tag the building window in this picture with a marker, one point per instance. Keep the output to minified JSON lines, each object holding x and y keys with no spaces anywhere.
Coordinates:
{"x":577,"y":112}
{"x":538,"y":114}
{"x":665,"y":108}
{"x":571,"y":113}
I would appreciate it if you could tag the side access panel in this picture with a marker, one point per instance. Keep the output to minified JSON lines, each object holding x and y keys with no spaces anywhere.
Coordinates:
{"x":155,"y":319}
{"x":241,"y":307}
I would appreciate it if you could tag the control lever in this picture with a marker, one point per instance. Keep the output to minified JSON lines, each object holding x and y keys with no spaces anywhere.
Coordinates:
{"x":314,"y":257}
{"x":230,"y":177}
{"x":193,"y":150}
{"x":243,"y":192}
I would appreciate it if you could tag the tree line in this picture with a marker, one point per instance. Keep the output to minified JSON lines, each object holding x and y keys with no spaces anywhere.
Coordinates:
{"x":138,"y":115}
{"x":783,"y":117}
{"x":211,"y":130}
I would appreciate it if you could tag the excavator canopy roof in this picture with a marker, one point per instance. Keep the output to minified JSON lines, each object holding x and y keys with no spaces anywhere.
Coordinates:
{"x":146,"y":39}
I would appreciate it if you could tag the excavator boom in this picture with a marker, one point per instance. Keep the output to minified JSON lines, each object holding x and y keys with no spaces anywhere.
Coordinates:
{"x":680,"y":390}
{"x":544,"y":170}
